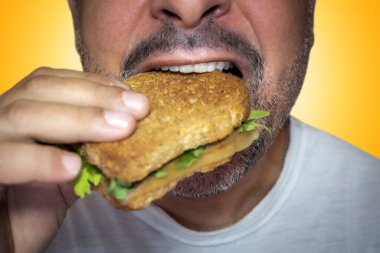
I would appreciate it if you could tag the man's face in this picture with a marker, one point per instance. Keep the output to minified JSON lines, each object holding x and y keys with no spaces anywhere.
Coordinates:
{"x":268,"y":41}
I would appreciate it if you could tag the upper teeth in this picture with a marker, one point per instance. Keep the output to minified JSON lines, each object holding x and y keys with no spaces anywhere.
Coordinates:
{"x":199,"y":68}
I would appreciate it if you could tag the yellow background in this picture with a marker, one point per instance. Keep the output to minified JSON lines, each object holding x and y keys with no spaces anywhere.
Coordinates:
{"x":342,"y":88}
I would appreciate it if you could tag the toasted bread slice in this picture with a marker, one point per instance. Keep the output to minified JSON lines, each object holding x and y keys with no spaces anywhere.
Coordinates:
{"x":187,"y":111}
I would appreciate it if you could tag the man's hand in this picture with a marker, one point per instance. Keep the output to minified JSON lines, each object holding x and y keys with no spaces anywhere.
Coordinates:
{"x":49,"y":107}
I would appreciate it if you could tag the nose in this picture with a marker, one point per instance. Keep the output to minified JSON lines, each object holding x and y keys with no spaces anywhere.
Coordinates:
{"x":188,"y":13}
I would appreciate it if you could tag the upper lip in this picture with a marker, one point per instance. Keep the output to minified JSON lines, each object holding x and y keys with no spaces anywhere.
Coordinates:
{"x":189,"y":57}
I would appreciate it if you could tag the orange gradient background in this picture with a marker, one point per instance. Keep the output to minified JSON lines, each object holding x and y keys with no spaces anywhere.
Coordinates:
{"x":341,"y":94}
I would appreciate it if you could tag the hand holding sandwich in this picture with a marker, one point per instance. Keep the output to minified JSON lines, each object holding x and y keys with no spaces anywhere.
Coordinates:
{"x":196,"y":123}
{"x":47,"y":108}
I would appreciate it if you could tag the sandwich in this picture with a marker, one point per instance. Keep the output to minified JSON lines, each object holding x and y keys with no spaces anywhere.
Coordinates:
{"x":197,"y":122}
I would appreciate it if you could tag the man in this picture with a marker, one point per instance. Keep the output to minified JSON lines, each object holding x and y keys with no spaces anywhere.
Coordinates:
{"x":297,"y":190}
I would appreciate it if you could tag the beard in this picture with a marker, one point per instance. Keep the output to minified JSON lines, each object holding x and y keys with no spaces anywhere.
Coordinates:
{"x":279,"y":100}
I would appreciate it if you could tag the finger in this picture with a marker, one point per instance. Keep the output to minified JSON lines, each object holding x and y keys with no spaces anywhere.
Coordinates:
{"x":62,"y":123}
{"x":106,"y":80}
{"x":80,"y":92}
{"x":26,"y":162}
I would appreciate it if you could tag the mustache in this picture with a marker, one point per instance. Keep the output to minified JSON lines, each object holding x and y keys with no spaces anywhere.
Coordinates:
{"x":208,"y":35}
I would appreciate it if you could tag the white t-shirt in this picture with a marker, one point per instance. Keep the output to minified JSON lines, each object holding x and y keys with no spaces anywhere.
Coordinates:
{"x":327,"y":199}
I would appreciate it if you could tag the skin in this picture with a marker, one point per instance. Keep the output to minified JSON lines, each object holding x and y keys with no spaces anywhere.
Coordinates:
{"x":49,"y":106}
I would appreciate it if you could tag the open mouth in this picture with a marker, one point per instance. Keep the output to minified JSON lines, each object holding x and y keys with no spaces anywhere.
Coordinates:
{"x":205,"y":67}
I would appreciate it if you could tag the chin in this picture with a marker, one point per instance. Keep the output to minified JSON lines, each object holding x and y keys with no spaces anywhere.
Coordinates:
{"x":203,"y":185}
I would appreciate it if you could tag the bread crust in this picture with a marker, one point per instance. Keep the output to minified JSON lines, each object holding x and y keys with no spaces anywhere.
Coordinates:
{"x":187,"y":111}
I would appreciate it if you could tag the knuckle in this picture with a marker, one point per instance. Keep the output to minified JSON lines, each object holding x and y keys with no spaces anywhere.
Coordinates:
{"x":99,"y":92}
{"x":15,"y":112}
{"x":53,"y":157}
{"x":106,"y":94}
{"x":87,"y":115}
{"x":41,"y":71}
{"x":36,"y":83}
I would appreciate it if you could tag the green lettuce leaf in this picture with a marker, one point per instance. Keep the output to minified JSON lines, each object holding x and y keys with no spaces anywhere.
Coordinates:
{"x":250,"y":125}
{"x":258,"y":114}
{"x":88,"y":176}
{"x":187,"y":158}
{"x":160,"y":173}
{"x":118,"y":189}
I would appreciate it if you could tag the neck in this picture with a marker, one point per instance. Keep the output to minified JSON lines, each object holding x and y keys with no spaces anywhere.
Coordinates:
{"x":233,"y":204}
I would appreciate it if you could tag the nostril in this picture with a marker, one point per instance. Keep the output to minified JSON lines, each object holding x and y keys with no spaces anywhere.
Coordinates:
{"x":188,"y":13}
{"x":211,"y":11}
{"x":170,"y":14}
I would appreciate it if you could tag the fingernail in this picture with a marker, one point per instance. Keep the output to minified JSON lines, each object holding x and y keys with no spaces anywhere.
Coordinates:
{"x":72,"y":163}
{"x":117,"y":119}
{"x":134,"y":101}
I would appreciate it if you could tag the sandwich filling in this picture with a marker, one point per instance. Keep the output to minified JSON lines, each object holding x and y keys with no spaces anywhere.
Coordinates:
{"x":140,"y":194}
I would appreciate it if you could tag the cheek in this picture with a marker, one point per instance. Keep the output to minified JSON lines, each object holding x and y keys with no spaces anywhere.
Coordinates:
{"x":108,"y":29}
{"x":279,"y":26}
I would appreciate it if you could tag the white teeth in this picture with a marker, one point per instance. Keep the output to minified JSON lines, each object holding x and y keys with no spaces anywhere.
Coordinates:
{"x":227,"y":65}
{"x":211,"y":66}
{"x":186,"y":69}
{"x":199,"y":67}
{"x":220,"y":65}
{"x":174,"y":68}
